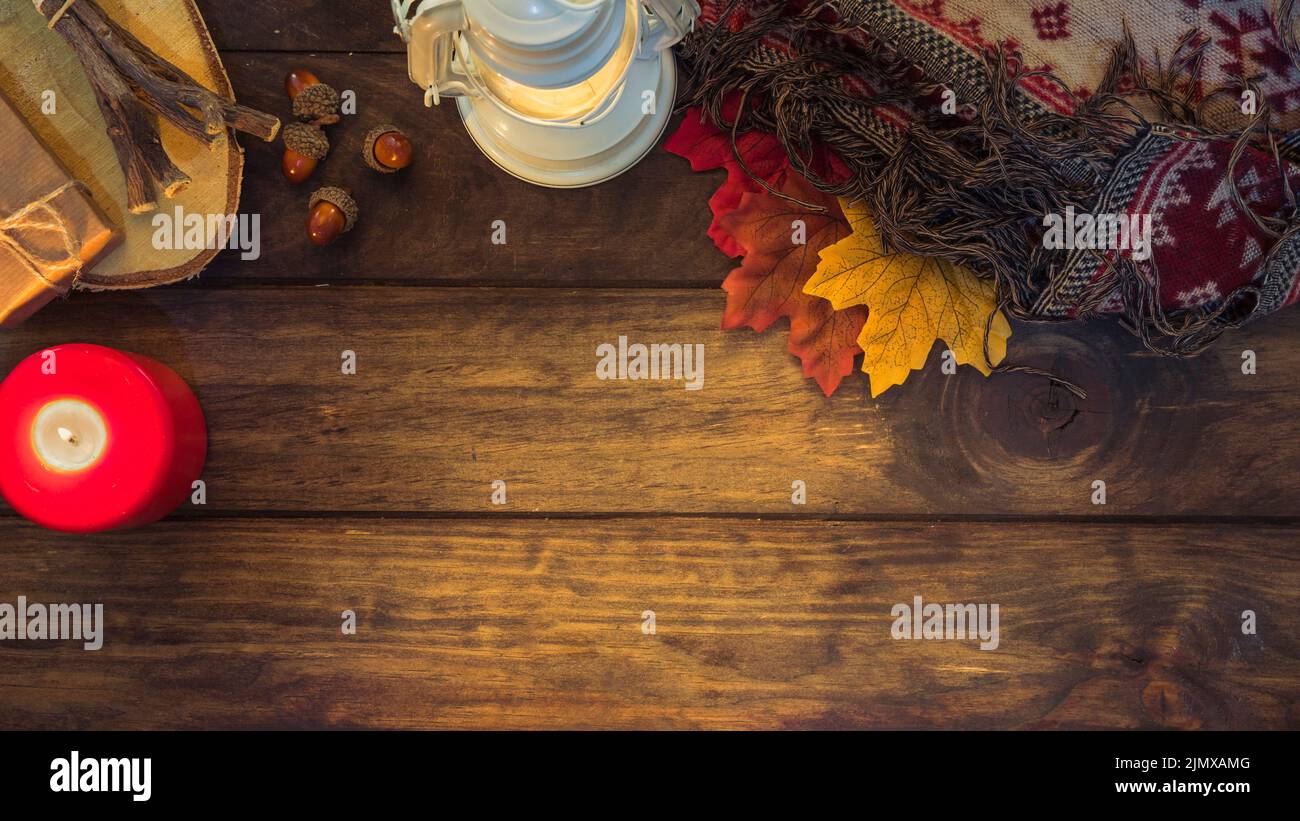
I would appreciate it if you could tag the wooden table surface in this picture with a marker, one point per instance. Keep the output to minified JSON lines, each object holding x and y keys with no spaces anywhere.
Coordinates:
{"x":476,"y":362}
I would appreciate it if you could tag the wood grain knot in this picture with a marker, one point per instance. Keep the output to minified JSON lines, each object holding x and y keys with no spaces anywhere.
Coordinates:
{"x":1173,"y":705}
{"x":990,"y":438}
{"x":1042,"y":411}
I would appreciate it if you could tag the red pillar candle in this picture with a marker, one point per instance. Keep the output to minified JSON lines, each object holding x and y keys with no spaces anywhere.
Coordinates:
{"x":96,"y":439}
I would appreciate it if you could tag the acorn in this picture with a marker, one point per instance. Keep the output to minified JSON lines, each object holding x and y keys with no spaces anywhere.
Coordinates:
{"x":298,"y":79}
{"x":387,"y":149}
{"x":316,"y":103}
{"x":304,"y":146}
{"x":332,"y":212}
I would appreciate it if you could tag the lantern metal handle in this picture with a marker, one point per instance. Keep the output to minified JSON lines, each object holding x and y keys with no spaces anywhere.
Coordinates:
{"x":668,"y":22}
{"x":430,"y":55}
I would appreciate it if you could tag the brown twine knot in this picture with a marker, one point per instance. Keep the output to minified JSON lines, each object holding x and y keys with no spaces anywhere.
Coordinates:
{"x":41,"y":216}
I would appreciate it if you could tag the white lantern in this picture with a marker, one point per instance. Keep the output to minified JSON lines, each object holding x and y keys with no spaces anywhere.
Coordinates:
{"x":562,"y":93}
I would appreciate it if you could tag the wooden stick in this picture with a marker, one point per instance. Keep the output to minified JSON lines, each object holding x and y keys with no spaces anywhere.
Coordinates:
{"x":130,"y":80}
{"x":135,"y":138}
{"x":168,"y":89}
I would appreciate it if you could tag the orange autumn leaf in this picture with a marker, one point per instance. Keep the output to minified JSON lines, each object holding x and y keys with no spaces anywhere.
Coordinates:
{"x":781,"y":241}
{"x":911,"y":300}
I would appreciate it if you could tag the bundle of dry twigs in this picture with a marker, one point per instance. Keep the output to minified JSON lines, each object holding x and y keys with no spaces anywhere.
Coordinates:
{"x":130,"y":81}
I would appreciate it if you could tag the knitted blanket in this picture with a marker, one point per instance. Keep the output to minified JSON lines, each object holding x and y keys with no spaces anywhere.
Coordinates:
{"x":1094,"y":157}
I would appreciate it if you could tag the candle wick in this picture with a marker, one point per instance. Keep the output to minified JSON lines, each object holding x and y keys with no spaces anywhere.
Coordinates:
{"x":68,"y":436}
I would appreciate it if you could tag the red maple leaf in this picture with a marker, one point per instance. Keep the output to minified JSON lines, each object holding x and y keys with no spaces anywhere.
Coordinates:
{"x":769,"y":282}
{"x":708,"y":147}
{"x":749,"y":221}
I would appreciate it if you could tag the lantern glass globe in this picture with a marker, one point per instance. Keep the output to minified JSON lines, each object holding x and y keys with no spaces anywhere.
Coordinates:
{"x":562,"y":93}
{"x":578,"y":100}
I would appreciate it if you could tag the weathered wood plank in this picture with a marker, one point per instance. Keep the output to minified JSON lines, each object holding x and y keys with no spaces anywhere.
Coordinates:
{"x":305,"y":25}
{"x":479,"y":623}
{"x":434,"y":221}
{"x":457,"y":388}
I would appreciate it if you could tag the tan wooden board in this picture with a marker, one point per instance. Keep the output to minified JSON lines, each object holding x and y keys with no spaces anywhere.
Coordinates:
{"x":287,"y":25}
{"x":499,"y":623}
{"x":458,"y":387}
{"x":434,"y":220}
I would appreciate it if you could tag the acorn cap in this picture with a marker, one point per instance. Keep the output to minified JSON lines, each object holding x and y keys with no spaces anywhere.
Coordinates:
{"x":368,"y":149}
{"x":306,"y":139}
{"x":341,"y":200}
{"x":317,"y":104}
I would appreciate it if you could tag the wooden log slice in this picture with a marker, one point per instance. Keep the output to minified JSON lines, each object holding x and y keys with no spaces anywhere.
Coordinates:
{"x":43,"y":78}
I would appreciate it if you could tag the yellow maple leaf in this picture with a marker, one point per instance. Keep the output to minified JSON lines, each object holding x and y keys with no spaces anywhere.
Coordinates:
{"x":911,"y":301}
